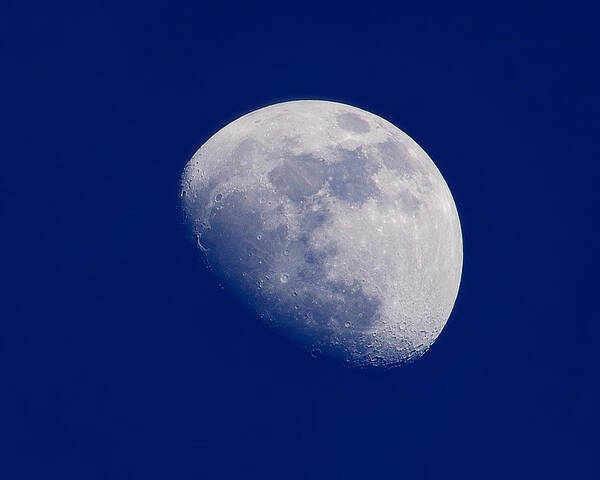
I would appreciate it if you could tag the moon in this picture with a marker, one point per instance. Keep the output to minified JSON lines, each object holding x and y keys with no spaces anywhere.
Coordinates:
{"x":330,"y":223}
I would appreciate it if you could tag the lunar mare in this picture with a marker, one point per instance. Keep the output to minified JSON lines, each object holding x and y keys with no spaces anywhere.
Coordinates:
{"x":331,"y":223}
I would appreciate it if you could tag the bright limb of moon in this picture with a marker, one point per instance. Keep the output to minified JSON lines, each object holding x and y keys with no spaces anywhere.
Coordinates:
{"x":331,"y":223}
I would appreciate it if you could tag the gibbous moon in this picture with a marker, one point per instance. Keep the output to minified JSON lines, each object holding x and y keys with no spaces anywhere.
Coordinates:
{"x":330,"y":223}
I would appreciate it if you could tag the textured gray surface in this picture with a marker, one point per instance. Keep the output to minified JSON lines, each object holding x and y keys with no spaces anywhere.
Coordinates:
{"x":331,"y":223}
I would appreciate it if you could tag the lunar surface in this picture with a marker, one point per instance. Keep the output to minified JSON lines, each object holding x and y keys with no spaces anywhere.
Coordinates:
{"x":331,"y":223}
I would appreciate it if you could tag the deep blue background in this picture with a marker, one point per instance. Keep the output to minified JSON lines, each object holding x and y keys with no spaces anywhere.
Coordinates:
{"x":120,"y":359}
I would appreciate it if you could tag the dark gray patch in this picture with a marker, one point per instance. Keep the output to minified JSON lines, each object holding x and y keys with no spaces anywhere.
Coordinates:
{"x":409,"y":202}
{"x":244,"y":156}
{"x":245,"y":152}
{"x":290,"y":142}
{"x":315,"y":259}
{"x":311,"y":220}
{"x":353,"y":122}
{"x":310,"y":261}
{"x":298,"y":177}
{"x":350,"y":177}
{"x":396,"y":157}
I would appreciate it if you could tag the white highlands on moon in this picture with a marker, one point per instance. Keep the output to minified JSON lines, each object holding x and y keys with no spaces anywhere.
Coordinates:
{"x":331,"y":223}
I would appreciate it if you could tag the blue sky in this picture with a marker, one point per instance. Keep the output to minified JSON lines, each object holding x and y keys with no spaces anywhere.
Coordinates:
{"x":119,"y":357}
